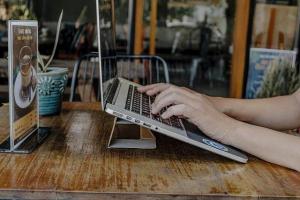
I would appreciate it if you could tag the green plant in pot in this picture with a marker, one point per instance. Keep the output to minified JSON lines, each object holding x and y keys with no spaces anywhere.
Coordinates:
{"x":51,"y":81}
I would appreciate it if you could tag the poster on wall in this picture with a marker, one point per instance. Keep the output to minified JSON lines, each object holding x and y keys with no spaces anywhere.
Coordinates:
{"x":271,"y":72}
{"x":22,"y":47}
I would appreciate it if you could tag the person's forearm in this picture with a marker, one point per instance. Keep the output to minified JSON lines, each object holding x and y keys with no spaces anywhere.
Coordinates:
{"x":273,"y":146}
{"x":280,"y":113}
{"x":276,"y":147}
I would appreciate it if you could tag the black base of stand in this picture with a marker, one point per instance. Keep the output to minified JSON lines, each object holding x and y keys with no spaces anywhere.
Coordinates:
{"x":30,"y":144}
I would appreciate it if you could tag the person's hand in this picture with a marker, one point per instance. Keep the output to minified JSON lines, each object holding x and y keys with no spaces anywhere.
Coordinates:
{"x":193,"y":106}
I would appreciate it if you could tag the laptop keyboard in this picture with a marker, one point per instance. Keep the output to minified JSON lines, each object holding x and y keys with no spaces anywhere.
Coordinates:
{"x":112,"y":87}
{"x":140,"y":103}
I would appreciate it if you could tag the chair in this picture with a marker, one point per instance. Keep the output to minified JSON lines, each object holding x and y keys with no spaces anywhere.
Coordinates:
{"x":85,"y":78}
{"x":142,"y":69}
{"x":150,"y":69}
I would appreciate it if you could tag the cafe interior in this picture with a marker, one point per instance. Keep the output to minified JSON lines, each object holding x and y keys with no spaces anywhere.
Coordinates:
{"x":60,"y":140}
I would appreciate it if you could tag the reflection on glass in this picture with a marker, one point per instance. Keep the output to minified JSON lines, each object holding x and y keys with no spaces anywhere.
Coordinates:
{"x":274,"y":26}
{"x":193,"y":36}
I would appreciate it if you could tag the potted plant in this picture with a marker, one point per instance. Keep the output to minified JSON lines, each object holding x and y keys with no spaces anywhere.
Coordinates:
{"x":51,"y":81}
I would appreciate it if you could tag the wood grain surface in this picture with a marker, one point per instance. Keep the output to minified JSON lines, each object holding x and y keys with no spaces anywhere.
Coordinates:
{"x":74,"y":163}
{"x":4,"y":123}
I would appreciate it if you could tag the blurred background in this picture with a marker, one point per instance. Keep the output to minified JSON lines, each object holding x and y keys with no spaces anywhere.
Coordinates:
{"x":205,"y":43}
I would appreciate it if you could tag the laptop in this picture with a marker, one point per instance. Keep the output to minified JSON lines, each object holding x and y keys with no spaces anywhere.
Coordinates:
{"x":121,"y":98}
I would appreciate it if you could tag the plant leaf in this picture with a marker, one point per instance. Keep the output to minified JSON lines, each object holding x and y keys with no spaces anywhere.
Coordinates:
{"x":56,"y":40}
{"x":40,"y":61}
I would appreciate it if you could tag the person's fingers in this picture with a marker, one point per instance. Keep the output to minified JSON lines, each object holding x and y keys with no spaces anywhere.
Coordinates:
{"x":175,"y":90}
{"x":153,"y":89}
{"x":176,"y":110}
{"x":170,"y":90}
{"x":168,"y":100}
{"x":146,"y":87}
{"x":159,"y":88}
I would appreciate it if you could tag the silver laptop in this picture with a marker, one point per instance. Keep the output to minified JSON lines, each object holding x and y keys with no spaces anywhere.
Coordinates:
{"x":121,"y":98}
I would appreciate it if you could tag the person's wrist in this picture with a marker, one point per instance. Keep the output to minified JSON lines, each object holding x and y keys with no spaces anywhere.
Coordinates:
{"x":229,"y":126}
{"x":218,"y":103}
{"x":219,"y":127}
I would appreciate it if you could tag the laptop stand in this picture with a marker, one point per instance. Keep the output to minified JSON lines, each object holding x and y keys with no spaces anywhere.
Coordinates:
{"x":126,"y":135}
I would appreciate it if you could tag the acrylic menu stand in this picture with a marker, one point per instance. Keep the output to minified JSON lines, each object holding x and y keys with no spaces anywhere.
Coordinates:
{"x":21,"y":117}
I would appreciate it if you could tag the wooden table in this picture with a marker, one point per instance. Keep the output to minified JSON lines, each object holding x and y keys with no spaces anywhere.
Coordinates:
{"x":75,"y":163}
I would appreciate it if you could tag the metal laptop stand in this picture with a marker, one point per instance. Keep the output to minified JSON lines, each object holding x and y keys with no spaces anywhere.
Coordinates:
{"x":130,"y":136}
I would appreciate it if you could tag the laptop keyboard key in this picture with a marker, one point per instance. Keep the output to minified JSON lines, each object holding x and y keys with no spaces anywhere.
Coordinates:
{"x":129,"y":96}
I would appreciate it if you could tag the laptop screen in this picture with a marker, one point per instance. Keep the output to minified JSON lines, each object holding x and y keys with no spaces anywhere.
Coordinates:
{"x":106,"y":45}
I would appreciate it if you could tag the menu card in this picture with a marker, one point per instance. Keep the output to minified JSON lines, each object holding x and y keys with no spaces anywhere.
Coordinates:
{"x":23,"y":100}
